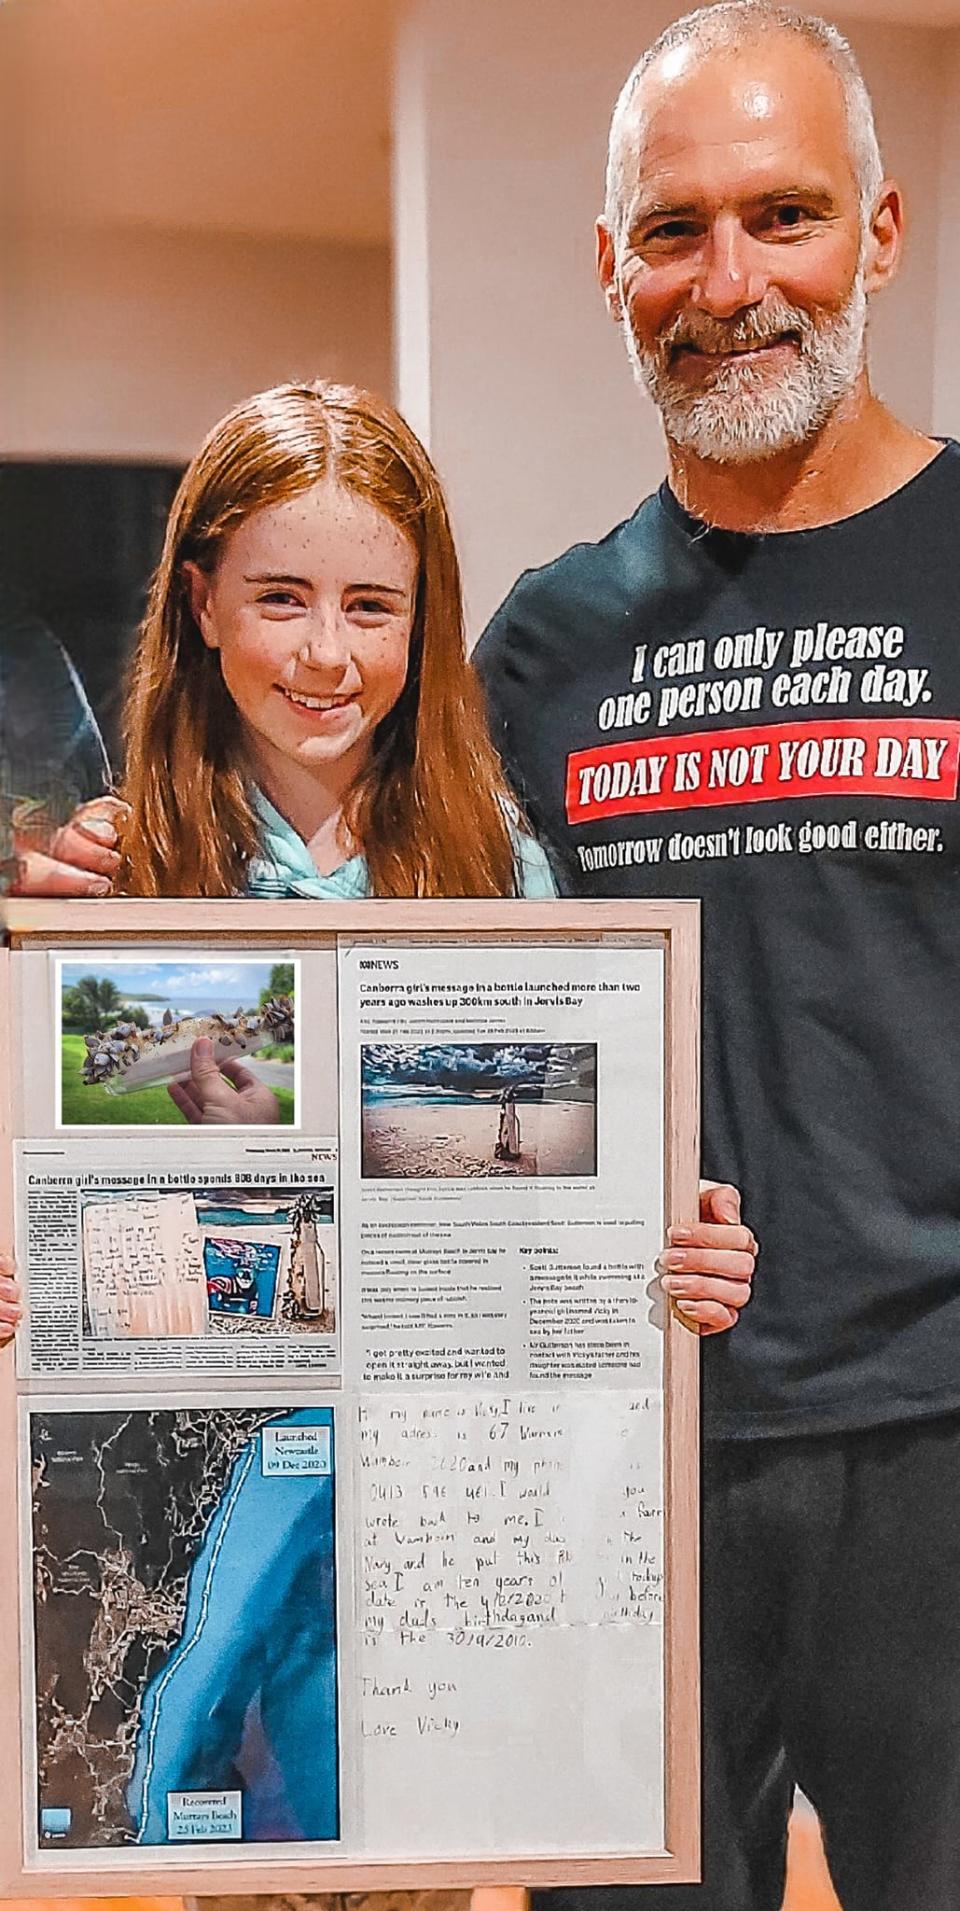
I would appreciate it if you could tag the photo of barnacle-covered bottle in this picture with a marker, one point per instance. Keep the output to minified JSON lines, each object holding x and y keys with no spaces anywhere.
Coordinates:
{"x":129,"y":1029}
{"x":124,"y":1057}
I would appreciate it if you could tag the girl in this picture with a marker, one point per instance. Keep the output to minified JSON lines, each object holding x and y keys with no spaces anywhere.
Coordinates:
{"x":302,"y":719}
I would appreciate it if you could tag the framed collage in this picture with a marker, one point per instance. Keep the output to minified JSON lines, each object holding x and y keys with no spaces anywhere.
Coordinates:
{"x":351,"y":1451}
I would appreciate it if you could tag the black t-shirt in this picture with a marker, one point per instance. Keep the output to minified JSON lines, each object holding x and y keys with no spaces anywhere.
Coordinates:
{"x":773,"y":724}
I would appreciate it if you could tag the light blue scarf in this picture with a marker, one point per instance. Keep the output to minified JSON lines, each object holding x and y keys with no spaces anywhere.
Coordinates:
{"x":283,"y":865}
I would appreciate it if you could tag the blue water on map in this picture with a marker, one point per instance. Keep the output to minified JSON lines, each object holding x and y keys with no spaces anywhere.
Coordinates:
{"x":247,"y":1700}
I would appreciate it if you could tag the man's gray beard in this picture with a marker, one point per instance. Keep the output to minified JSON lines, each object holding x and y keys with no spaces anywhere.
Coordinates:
{"x":741,"y":415}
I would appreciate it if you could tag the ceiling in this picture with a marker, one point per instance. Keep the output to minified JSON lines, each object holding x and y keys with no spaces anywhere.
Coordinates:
{"x":243,"y":116}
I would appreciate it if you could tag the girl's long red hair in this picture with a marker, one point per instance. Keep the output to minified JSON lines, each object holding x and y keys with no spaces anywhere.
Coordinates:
{"x":430,"y":811}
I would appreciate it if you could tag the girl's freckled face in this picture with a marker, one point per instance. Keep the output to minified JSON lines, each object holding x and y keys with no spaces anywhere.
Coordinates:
{"x":311,"y":608}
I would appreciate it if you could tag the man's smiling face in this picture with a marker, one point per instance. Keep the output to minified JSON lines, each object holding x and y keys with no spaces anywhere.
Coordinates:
{"x":737,"y":260}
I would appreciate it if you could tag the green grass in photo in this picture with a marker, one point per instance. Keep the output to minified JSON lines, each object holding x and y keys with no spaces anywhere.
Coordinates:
{"x":87,"y":1104}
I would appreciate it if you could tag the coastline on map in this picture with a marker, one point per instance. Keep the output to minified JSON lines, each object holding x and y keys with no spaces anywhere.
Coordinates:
{"x":158,"y":1529}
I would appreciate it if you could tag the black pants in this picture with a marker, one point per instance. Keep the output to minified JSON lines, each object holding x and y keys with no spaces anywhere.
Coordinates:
{"x":831,"y":1647}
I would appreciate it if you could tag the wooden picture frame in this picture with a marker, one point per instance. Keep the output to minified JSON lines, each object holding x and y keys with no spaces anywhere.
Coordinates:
{"x":673,"y":927}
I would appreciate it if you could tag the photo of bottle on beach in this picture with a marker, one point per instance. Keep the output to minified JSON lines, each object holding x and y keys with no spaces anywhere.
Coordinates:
{"x":479,"y":1108}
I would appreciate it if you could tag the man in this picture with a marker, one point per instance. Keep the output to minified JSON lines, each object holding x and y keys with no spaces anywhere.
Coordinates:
{"x":750,"y":692}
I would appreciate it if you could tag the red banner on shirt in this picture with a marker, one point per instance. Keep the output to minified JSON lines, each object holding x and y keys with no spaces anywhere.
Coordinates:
{"x":855,"y":757}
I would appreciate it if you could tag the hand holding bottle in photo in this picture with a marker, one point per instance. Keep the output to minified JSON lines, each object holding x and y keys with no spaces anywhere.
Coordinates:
{"x":206,"y":1098}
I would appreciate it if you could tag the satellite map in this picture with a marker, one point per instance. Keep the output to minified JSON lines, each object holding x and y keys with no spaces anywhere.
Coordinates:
{"x":185,"y":1626}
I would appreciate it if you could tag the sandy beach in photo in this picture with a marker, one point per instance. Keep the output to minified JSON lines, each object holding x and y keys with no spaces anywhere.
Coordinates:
{"x":426,"y":1141}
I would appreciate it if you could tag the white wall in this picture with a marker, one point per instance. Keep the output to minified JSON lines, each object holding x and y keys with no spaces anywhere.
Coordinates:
{"x":532,"y":419}
{"x":946,"y":404}
{"x":130,"y":343}
{"x":511,"y":364}
{"x":904,"y":69}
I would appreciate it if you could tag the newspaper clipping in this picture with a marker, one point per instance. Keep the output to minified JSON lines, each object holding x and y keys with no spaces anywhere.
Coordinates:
{"x":222,"y":1265}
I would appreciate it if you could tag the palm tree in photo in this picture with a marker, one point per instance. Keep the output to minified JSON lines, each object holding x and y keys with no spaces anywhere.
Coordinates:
{"x":91,"y":1003}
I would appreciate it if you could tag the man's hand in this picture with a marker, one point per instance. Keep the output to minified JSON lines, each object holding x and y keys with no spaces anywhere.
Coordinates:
{"x":205,"y":1096}
{"x":10,"y":1309}
{"x":84,"y":855}
{"x":707,"y":1271}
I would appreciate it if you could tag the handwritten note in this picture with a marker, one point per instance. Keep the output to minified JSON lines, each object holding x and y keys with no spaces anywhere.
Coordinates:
{"x":143,"y":1267}
{"x":509,"y":1512}
{"x":510,"y":1569}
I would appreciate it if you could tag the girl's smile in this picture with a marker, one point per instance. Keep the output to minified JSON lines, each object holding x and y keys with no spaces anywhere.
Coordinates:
{"x":324,"y":706}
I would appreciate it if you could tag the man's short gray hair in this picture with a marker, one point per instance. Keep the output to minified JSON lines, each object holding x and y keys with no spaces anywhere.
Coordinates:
{"x":735,"y":23}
